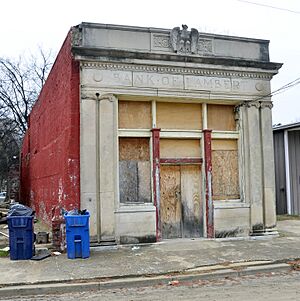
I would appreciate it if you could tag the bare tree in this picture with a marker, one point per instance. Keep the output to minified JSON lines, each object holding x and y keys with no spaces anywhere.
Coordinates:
{"x":20,"y":84}
{"x":10,"y":142}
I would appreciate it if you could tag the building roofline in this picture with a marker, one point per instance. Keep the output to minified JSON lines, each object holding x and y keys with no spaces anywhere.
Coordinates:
{"x":167,"y":30}
{"x":286,"y":126}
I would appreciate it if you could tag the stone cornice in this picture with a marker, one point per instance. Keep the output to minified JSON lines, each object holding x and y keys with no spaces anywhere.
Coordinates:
{"x":88,"y":54}
{"x":176,"y":70}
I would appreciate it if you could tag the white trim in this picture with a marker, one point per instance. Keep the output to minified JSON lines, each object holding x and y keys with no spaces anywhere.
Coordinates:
{"x":153,"y":113}
{"x":287,"y":173}
{"x":136,"y":208}
{"x":134,"y":133}
{"x":181,"y":134}
{"x":225,"y":135}
{"x":204,"y":116}
{"x":229,"y":204}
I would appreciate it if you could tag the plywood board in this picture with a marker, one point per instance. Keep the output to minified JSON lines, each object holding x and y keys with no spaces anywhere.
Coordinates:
{"x":134,"y":149}
{"x":135,"y":115}
{"x":179,"y":116}
{"x":170,"y":204}
{"x":192,"y":211}
{"x":221,"y":117}
{"x":224,"y":144}
{"x":144,"y":182}
{"x":180,"y":148}
{"x":225,"y":175}
{"x":128,"y":185}
{"x":134,"y":170}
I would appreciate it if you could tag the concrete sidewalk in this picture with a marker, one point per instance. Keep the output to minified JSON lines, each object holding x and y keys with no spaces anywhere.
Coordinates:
{"x":184,"y":256}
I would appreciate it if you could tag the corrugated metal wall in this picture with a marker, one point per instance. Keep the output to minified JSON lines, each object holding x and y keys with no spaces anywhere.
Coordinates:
{"x":294,"y":158}
{"x":280,"y":179}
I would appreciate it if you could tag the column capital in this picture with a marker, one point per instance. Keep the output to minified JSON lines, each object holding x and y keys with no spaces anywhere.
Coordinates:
{"x":266,"y":104}
{"x":108,"y":96}
{"x":98,"y":96}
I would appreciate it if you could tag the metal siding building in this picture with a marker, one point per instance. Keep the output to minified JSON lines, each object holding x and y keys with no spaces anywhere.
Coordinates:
{"x":287,"y":168}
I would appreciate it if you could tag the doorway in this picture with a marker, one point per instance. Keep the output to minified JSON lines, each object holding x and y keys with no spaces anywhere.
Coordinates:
{"x":181,"y":206}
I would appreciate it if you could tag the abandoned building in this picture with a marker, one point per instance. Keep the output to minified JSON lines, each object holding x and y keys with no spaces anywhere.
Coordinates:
{"x":158,"y":133}
{"x":287,"y":168}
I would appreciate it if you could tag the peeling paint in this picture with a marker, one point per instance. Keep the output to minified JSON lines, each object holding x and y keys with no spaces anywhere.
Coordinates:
{"x":60,"y":191}
{"x":52,"y":176}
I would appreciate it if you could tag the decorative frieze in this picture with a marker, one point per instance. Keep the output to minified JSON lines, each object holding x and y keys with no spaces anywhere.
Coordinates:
{"x":205,"y":46}
{"x":201,"y":46}
{"x":161,"y":41}
{"x":180,"y":70}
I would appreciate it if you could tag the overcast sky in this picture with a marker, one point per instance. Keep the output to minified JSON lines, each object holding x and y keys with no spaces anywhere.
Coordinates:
{"x":26,"y":24}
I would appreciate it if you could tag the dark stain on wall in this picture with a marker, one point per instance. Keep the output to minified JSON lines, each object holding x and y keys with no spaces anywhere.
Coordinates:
{"x":137,"y":239}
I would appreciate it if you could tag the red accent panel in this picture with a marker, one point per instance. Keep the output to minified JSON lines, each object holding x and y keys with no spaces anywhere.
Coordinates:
{"x":181,"y":161}
{"x":50,"y":152}
{"x":156,"y":178}
{"x":208,"y":186}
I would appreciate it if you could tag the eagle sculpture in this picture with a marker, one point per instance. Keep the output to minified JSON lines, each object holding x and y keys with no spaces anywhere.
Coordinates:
{"x":184,"y":41}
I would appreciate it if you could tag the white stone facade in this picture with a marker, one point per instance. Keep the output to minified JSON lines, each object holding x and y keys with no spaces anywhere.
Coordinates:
{"x":120,"y":63}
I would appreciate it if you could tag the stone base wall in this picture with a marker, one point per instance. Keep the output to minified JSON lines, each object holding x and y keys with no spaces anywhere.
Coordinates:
{"x":135,"y":225}
{"x":232,"y":220}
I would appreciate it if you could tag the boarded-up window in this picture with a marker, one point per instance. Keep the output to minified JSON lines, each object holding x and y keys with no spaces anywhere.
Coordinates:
{"x":134,"y":170}
{"x":134,"y":115}
{"x":225,"y":170}
{"x":180,"y":148}
{"x":185,"y":116}
{"x":221,"y":118}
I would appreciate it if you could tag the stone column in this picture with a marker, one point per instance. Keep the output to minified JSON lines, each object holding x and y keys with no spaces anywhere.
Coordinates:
{"x":253,"y":144}
{"x":88,"y":172}
{"x":107,"y":154}
{"x":98,"y":162}
{"x":268,"y":167}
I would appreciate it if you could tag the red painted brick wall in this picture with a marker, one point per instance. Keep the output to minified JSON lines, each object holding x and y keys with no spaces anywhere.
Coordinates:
{"x":50,"y":174}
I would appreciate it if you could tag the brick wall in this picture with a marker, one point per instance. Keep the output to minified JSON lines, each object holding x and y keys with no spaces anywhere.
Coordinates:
{"x":50,"y":153}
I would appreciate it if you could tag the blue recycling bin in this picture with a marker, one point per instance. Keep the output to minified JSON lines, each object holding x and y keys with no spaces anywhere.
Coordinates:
{"x":21,"y":237}
{"x":77,"y":235}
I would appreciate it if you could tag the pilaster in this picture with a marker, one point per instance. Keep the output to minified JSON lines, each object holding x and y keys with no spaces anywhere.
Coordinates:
{"x":255,"y":180}
{"x":268,"y":166}
{"x":107,"y":154}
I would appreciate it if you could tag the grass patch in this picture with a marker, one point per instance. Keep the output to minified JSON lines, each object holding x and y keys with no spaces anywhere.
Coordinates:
{"x":285,"y":217}
{"x":4,"y":253}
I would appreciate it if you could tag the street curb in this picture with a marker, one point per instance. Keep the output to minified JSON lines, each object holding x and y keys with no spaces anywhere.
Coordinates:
{"x":142,"y":281}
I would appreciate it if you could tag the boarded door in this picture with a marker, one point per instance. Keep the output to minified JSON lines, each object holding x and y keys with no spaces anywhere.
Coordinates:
{"x":181,"y":205}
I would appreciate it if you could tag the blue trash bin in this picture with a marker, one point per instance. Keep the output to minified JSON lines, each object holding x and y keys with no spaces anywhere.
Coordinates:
{"x":77,"y":235}
{"x":21,"y":237}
